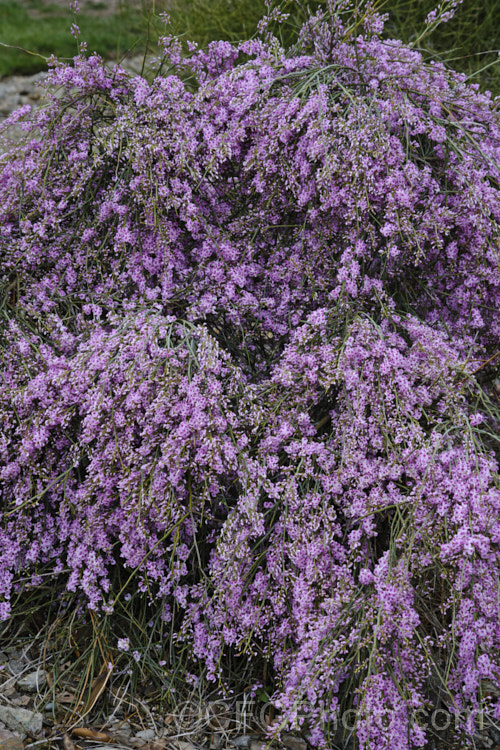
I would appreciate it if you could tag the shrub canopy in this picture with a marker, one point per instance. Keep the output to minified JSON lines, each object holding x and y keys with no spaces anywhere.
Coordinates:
{"x":251,"y":333}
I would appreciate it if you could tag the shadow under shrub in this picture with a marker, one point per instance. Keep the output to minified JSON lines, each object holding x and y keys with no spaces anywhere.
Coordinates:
{"x":250,"y":345}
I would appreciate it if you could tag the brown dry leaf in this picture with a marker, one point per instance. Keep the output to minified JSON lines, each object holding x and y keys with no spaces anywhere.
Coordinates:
{"x":121,"y":739}
{"x":66,"y":697}
{"x":98,"y":686}
{"x":220,"y":718}
{"x":6,"y":734}
{"x":68,"y":744}
{"x":91,"y":734}
{"x":269,"y":717}
{"x":159,"y":744}
{"x":23,"y":700}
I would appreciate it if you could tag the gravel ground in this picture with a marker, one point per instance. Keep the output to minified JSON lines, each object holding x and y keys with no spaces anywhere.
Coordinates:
{"x":35,"y":717}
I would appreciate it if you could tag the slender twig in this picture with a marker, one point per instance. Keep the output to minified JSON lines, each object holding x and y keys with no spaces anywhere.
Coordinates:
{"x":486,"y":362}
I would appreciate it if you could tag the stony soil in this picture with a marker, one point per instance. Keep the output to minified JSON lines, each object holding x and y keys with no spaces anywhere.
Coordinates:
{"x":35,"y":717}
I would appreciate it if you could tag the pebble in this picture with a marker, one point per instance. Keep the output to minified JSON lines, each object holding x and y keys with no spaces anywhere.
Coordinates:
{"x":10,"y":741}
{"x":494,"y":733}
{"x":243,"y":741}
{"x":158,"y":744}
{"x":257,"y":744}
{"x":32,"y":682}
{"x":21,"y":700}
{"x":16,"y":666}
{"x":121,"y":727}
{"x":146,"y":735}
{"x":21,"y":721}
{"x":292,"y":742}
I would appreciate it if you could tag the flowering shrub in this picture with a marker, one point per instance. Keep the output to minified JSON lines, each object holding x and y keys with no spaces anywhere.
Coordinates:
{"x":253,"y":329}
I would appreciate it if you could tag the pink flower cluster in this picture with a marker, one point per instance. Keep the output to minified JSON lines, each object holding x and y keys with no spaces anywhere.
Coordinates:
{"x":252,"y":319}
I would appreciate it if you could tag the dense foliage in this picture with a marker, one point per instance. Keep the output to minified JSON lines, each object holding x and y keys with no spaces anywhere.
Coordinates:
{"x":251,"y":326}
